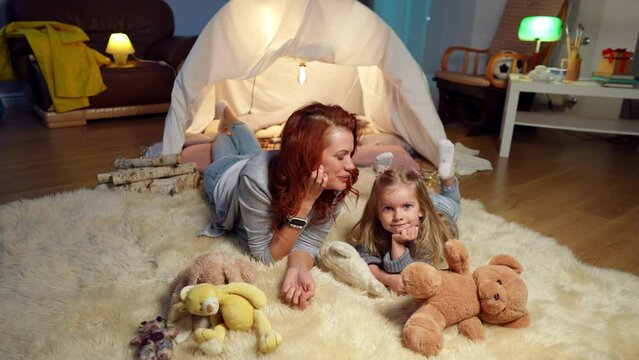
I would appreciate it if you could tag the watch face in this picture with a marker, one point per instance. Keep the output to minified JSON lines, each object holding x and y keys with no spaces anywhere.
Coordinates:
{"x":297,"y":222}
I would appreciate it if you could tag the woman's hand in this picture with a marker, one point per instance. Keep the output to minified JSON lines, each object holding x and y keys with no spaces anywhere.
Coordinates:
{"x":315,"y":184}
{"x":298,"y":286}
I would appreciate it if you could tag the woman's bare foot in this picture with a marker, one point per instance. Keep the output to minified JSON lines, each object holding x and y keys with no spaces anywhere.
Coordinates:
{"x":227,"y":117}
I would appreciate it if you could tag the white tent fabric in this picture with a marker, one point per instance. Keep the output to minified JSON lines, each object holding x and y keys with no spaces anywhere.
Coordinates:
{"x":249,"y":53}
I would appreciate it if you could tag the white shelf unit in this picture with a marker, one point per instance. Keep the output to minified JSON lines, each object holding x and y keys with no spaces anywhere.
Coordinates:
{"x":558,"y":120}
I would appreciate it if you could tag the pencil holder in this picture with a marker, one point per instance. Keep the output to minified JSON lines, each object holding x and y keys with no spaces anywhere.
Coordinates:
{"x":573,"y":67}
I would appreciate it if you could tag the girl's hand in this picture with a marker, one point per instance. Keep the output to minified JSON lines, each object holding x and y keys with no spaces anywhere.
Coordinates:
{"x":315,"y":184}
{"x":406,"y":234}
{"x":298,"y":287}
{"x":396,"y":284}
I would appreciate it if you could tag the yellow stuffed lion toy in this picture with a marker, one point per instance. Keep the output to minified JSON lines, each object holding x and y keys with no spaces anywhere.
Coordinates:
{"x":234,"y":306}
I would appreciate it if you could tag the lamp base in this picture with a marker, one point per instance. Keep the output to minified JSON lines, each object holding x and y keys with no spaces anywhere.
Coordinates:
{"x":535,"y":61}
{"x":120,"y":59}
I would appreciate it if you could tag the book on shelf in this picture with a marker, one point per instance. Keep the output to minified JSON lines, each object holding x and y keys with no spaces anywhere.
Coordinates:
{"x":609,"y":76}
{"x":620,"y":81}
{"x":616,"y":80}
{"x":623,"y":85}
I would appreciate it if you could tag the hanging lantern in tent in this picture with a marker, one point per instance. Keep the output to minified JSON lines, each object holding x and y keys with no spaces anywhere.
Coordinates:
{"x":301,"y":74}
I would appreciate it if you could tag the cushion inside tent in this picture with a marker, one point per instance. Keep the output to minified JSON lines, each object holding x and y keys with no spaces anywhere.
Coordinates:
{"x":249,"y":55}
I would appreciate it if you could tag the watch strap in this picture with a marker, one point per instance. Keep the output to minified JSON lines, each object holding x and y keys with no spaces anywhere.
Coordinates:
{"x":296,"y":222}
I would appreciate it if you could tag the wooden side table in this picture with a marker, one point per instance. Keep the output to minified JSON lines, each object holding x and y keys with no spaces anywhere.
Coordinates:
{"x":556,"y":120}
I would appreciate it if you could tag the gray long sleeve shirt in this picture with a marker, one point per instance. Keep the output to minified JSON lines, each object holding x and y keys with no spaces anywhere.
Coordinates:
{"x":248,"y":211}
{"x":386,"y":263}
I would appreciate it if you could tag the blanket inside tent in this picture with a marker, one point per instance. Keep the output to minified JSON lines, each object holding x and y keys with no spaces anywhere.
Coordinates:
{"x":250,"y":52}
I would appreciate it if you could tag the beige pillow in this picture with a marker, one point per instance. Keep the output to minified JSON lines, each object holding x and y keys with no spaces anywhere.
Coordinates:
{"x":270,"y":132}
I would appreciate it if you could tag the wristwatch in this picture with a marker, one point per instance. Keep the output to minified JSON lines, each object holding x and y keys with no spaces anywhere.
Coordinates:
{"x":296,"y":222}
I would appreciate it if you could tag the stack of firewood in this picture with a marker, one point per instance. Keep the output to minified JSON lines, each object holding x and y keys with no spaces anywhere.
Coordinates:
{"x":163,"y":175}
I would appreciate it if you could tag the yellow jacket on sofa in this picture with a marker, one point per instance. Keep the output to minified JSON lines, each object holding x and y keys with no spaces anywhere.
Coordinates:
{"x":70,"y":68}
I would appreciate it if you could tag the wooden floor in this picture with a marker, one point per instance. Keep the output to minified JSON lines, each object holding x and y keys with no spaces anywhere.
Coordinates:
{"x":579,"y":188}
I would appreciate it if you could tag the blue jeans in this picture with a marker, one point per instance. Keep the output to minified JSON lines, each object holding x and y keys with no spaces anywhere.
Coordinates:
{"x":449,"y":200}
{"x":226,"y":151}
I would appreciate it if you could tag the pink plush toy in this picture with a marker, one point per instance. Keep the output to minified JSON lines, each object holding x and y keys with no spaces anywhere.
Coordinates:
{"x":216,"y":269}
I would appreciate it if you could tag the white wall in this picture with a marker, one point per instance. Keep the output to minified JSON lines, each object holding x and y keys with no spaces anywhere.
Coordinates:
{"x":450,"y":24}
{"x":192,"y":15}
{"x":459,"y":22}
{"x":487,"y":14}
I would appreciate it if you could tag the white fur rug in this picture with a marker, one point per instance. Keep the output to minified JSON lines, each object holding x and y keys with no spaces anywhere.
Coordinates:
{"x":80,"y":270}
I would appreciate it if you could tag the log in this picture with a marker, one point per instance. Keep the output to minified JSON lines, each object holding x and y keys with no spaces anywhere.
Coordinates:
{"x":176,"y":184}
{"x":165,"y":186}
{"x":105,"y":178}
{"x":128,"y":176}
{"x":164,"y":160}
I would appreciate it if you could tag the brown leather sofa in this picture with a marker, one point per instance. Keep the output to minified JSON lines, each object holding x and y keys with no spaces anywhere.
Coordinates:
{"x":141,"y":87}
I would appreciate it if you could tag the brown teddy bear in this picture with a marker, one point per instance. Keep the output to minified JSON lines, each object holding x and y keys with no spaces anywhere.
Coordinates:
{"x":216,"y":269}
{"x":494,"y":294}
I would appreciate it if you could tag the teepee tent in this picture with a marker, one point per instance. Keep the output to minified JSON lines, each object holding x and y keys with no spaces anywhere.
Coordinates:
{"x":250,"y":52}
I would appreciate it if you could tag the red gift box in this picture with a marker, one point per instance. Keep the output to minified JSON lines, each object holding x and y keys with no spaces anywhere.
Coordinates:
{"x":615,"y":62}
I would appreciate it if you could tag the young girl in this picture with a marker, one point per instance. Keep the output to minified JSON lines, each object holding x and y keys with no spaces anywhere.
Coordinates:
{"x":403,"y":223}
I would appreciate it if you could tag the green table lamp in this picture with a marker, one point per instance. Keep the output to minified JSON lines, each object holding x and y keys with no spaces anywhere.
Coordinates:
{"x":539,"y":28}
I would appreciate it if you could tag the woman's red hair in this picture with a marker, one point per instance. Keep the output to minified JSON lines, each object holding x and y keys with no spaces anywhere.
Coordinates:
{"x":304,"y":139}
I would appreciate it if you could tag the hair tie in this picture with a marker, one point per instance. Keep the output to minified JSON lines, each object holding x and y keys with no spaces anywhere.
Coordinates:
{"x":383,"y":171}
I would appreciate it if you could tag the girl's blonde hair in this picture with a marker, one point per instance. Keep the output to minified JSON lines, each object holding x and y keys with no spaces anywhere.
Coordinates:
{"x":434,"y":229}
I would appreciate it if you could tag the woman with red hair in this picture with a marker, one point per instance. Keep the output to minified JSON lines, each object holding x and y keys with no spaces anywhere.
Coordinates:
{"x":283,"y":203}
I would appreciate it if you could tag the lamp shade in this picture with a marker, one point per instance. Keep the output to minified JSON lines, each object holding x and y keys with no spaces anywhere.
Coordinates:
{"x":120,"y":47}
{"x":119,"y":43}
{"x":540,"y":28}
